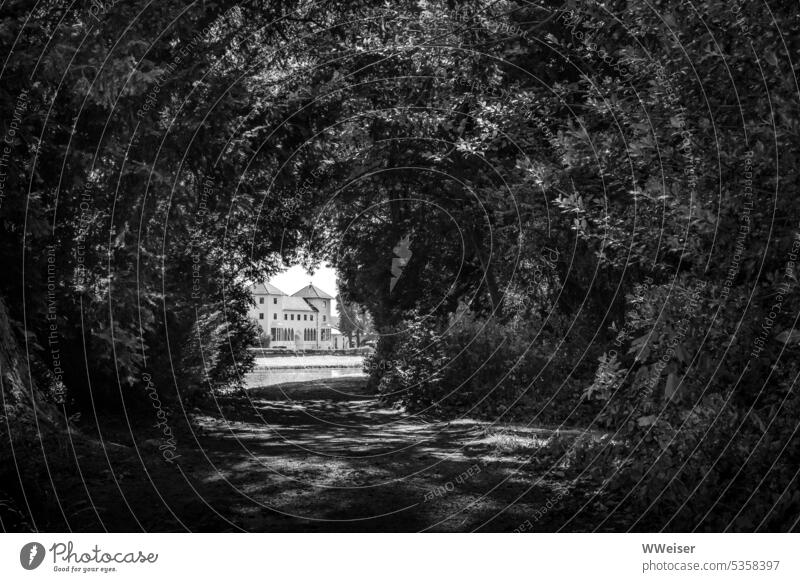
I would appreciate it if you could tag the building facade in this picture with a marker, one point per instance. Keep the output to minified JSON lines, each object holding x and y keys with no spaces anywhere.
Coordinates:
{"x":301,"y":321}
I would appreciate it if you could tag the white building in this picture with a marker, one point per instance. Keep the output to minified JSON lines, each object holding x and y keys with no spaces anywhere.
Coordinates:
{"x":298,"y":321}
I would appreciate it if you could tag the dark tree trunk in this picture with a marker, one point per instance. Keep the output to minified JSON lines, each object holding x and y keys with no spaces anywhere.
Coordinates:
{"x":495,"y":296}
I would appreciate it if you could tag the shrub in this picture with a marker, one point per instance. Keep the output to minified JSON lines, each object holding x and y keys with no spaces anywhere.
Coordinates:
{"x":702,"y":451}
{"x":477,"y":366}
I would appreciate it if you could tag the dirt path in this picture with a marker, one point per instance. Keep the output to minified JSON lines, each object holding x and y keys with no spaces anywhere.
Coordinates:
{"x":325,"y":456}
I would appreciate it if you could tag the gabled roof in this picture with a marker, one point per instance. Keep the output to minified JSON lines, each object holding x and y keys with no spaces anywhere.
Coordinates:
{"x":266,"y":289}
{"x":297,"y":304}
{"x":312,"y":292}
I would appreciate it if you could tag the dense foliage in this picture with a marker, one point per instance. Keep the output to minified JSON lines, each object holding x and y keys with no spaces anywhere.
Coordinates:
{"x":557,"y":213}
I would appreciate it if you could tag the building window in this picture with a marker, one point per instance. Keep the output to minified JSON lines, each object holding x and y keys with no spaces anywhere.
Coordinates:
{"x":305,"y":317}
{"x":292,"y":316}
{"x":325,"y":303}
{"x":274,"y":300}
{"x":310,"y":334}
{"x":274,"y":316}
{"x":261,"y":316}
{"x":324,"y":318}
{"x":285,"y":316}
{"x":282,"y":334}
{"x":312,"y":317}
{"x":261,"y":300}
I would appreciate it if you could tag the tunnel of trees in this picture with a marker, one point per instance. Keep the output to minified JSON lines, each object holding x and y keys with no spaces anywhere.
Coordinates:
{"x":595,"y":205}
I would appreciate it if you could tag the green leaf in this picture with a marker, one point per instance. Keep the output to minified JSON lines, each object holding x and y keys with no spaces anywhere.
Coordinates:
{"x":672,"y":385}
{"x":647,"y":420}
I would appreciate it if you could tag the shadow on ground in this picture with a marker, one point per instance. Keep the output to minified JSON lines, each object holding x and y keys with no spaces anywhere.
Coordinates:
{"x":322,"y":456}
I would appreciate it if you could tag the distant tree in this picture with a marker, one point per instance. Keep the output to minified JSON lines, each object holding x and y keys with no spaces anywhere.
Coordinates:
{"x":353,"y":320}
{"x":264,"y":339}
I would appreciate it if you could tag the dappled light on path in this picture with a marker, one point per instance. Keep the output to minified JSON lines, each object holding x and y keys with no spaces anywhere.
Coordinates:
{"x":327,"y":456}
